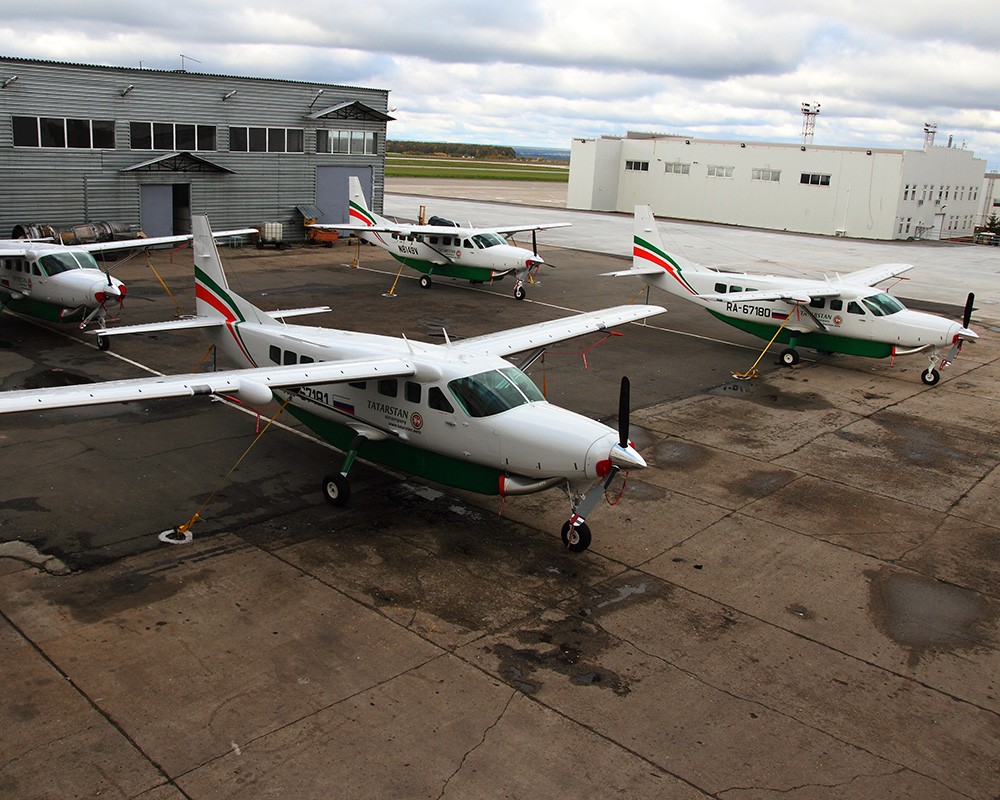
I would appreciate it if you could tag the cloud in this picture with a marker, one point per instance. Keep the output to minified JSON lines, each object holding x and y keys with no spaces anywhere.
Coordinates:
{"x":533,"y":72}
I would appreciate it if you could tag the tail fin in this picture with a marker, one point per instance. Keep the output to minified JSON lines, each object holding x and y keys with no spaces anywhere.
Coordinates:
{"x":359,"y":211}
{"x":650,"y":258}
{"x":213,"y":297}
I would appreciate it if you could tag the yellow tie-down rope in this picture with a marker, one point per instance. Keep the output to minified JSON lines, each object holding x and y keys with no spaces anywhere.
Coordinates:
{"x":751,"y":374}
{"x":177,"y":306}
{"x":184,"y":531}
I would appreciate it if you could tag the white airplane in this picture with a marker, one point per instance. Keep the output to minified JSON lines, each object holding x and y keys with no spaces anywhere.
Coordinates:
{"x":845,"y":315}
{"x":479,"y":255}
{"x":64,"y":283}
{"x":456,"y":413}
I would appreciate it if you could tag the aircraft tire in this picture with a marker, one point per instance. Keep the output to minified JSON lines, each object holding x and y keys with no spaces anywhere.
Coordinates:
{"x":519,"y":293}
{"x":425,"y":281}
{"x":930,"y":376}
{"x":576,"y":539}
{"x":789,"y":357}
{"x":104,"y":342}
{"x":336,"y":490}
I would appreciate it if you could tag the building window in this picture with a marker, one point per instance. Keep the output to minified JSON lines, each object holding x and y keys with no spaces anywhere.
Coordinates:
{"x":637,"y":166}
{"x":76,"y":134}
{"x":355,"y":142}
{"x":265,"y":140}
{"x":171,"y":136}
{"x":766,"y":175}
{"x":814,"y":179}
{"x":716,"y":171}
{"x":676,"y":168}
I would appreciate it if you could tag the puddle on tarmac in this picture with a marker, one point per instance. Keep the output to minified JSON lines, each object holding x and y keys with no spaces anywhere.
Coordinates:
{"x":766,"y":394}
{"x":925,"y":615}
{"x":49,"y":378}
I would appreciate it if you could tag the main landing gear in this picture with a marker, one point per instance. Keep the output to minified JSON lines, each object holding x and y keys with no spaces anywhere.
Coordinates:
{"x":425,"y":281}
{"x":789,"y":356}
{"x":336,"y":487}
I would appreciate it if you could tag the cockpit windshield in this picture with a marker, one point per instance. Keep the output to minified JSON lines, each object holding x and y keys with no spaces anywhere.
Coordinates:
{"x":484,"y":240}
{"x":495,"y":391}
{"x":882,"y":304}
{"x":54,"y":263}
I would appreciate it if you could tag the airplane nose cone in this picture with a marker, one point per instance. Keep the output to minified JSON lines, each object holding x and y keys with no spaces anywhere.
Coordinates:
{"x":626,"y":457}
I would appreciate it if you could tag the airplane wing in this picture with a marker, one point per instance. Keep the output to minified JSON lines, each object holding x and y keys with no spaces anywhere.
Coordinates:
{"x":248,"y":382}
{"x":155,"y":241}
{"x":800,"y":296}
{"x":872,"y":275}
{"x":543,"y":334}
{"x":507,"y":230}
{"x":15,"y":247}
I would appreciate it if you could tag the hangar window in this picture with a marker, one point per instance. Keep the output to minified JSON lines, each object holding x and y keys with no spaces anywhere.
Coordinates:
{"x":765,"y":174}
{"x":717,"y":171}
{"x":79,"y":134}
{"x":171,"y":136}
{"x":677,"y":168}
{"x":637,"y":166}
{"x":814,"y":179}
{"x":358,"y":143}
{"x":265,"y":140}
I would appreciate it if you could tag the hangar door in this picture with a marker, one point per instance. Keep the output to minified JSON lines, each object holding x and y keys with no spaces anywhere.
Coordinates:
{"x":165,"y":209}
{"x":331,"y":191}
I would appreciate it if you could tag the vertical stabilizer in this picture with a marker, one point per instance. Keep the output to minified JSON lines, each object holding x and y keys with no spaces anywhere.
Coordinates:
{"x":359,"y":211}
{"x":651,"y":260}
{"x":213,"y":297}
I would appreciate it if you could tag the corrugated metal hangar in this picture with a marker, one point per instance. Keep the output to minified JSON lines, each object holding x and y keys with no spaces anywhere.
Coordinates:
{"x":149,"y":147}
{"x":932,"y":193}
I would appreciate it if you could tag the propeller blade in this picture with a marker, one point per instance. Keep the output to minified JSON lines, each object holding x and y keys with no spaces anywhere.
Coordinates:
{"x":967,"y":316}
{"x":534,"y":244}
{"x":623,"y":413}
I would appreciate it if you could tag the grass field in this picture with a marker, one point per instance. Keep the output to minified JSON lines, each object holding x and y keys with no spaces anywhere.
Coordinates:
{"x":397,"y":166}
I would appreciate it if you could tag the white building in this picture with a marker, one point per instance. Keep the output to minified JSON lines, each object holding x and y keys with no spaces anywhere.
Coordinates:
{"x":843,"y":191}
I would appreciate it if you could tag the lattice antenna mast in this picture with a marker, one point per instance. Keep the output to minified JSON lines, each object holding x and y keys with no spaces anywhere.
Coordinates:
{"x":809,"y":113}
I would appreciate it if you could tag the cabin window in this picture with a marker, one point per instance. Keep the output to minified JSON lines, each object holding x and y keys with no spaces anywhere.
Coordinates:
{"x":468,"y":244}
{"x":735,"y":288}
{"x":437,"y":400}
{"x":55,"y":263}
{"x":484,"y":240}
{"x":411,"y":391}
{"x":854,"y":308}
{"x":290,"y":358}
{"x":817,"y":302}
{"x":274,"y":353}
{"x":362,"y":385}
{"x":307,"y":360}
{"x":35,"y":270}
{"x":836,"y":305}
{"x":388,"y":387}
{"x":720,"y":288}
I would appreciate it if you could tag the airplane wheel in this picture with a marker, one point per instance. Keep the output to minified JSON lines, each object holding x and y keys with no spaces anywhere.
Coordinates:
{"x":425,"y":281}
{"x":336,"y":489}
{"x":930,"y":376}
{"x":789,"y":357}
{"x":576,"y":538}
{"x":104,"y":342}
{"x":519,"y":293}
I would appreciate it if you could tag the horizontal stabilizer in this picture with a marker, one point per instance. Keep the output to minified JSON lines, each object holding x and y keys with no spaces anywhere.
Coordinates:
{"x":299,"y":312}
{"x":651,"y":269}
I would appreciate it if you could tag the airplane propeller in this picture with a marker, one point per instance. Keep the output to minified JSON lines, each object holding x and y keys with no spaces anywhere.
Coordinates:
{"x":956,"y":348}
{"x":623,"y":413}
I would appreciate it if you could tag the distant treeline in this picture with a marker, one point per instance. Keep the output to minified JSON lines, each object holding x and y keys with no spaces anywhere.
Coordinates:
{"x":453,"y":150}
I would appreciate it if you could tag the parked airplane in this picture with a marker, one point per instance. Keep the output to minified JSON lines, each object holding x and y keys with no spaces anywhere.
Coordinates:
{"x":476,"y":254}
{"x":456,"y":413}
{"x":845,"y":315}
{"x":63,"y":283}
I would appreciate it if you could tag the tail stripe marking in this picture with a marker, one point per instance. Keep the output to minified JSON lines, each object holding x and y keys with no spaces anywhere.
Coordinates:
{"x":210,"y":292}
{"x":647,"y":252}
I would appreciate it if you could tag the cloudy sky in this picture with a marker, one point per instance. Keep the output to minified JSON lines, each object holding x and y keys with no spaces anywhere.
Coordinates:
{"x":536,"y":72}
